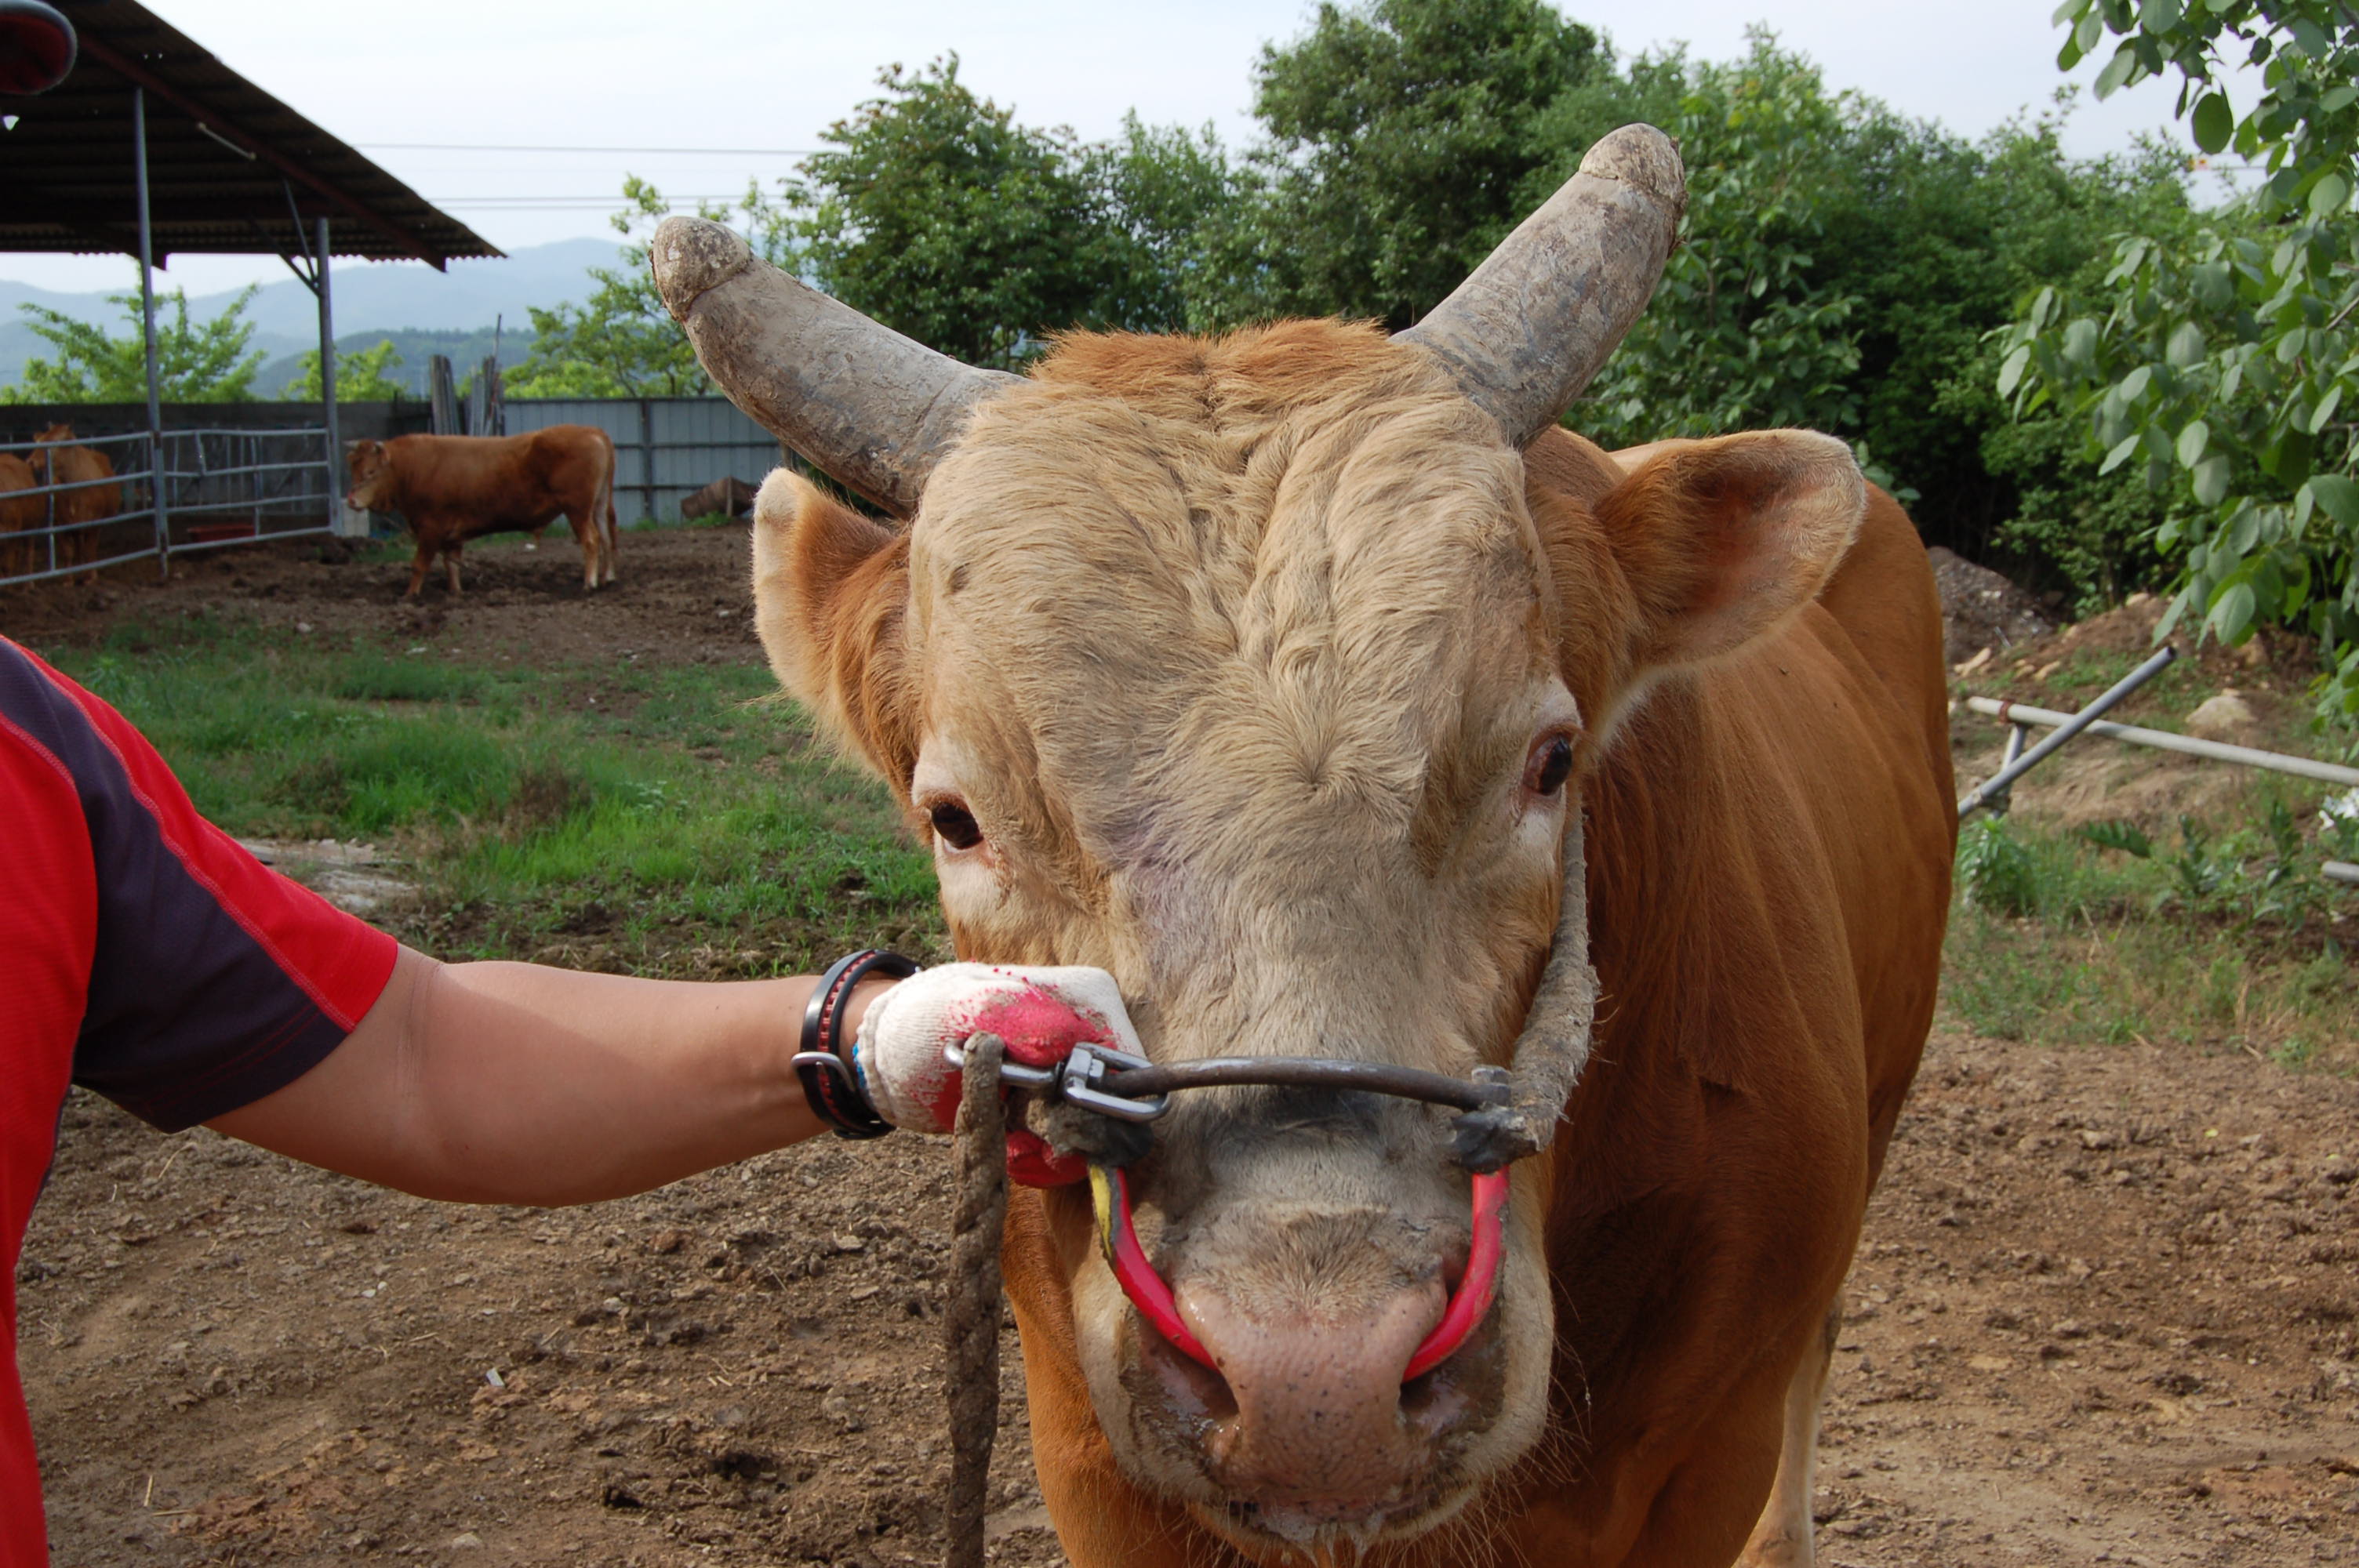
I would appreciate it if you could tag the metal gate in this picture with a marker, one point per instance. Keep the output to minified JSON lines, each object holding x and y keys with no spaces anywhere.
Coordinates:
{"x":221,"y":486}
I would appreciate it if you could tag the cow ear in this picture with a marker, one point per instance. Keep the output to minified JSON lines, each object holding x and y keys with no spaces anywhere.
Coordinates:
{"x":1721,"y":540}
{"x":830,"y":596}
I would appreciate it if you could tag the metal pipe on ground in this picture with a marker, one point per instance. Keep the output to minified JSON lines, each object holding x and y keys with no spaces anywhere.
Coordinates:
{"x":2017,"y":713}
{"x":1995,"y":786}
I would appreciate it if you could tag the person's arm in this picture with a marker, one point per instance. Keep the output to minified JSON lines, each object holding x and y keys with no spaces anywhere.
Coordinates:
{"x":211,"y":989}
{"x":514,"y":1083}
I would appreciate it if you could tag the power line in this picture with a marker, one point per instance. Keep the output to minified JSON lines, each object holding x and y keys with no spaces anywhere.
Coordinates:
{"x":611,"y":198}
{"x":564,"y":203}
{"x":541,"y":147}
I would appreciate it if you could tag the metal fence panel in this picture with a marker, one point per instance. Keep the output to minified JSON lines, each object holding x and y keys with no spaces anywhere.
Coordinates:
{"x":666,"y":449}
{"x":236,"y":474}
{"x":226,"y":485}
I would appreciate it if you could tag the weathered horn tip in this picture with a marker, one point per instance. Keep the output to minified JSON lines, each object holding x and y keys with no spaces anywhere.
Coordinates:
{"x":1642,"y":156}
{"x":692,"y":256}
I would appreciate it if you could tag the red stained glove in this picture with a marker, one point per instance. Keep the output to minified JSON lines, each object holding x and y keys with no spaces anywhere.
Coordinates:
{"x":1041,"y":1012}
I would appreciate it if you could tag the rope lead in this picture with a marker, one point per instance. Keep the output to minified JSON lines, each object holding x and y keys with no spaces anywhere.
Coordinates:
{"x":971,"y":1323}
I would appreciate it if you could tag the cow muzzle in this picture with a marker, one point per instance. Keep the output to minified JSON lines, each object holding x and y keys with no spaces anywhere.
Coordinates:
{"x":1468,"y":1305}
{"x":1310,"y":1416}
{"x":1309,"y":1419}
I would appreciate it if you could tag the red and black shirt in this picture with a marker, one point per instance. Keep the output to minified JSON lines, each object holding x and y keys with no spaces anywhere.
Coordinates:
{"x":143,"y":955}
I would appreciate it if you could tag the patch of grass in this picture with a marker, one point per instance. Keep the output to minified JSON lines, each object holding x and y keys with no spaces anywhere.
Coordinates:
{"x":1995,"y":871}
{"x":2139,"y":980}
{"x":2162,"y":702}
{"x":681,"y":825}
{"x":2224,"y":938}
{"x":369,"y":676}
{"x":709,"y":520}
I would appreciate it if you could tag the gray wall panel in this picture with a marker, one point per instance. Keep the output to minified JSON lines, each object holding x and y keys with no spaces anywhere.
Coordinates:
{"x":666,"y":449}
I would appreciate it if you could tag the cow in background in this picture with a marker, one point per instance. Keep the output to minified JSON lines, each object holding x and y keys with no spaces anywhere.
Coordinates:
{"x":18,"y":512}
{"x":57,"y":461}
{"x":451,"y":489}
{"x":725,"y":497}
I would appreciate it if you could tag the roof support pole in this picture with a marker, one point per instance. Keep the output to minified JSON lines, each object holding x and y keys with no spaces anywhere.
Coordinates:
{"x":155,"y":477}
{"x":336,"y":455}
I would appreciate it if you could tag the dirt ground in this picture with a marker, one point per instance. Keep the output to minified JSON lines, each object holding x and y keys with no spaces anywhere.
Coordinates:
{"x":683,"y":597}
{"x":2105,"y":1311}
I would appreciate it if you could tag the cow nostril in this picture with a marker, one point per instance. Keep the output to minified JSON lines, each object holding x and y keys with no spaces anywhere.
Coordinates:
{"x":1432,"y":1403}
{"x":1196,"y":1389}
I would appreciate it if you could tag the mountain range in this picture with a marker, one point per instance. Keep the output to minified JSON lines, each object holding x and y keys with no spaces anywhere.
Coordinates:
{"x":408,"y":301}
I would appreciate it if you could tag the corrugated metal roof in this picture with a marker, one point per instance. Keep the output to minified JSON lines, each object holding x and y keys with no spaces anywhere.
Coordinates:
{"x":231,"y":169}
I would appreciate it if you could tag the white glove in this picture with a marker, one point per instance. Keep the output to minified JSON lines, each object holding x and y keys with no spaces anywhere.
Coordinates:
{"x":1041,"y":1012}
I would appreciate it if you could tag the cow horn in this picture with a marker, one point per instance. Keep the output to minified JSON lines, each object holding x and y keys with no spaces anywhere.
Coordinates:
{"x":1525,"y":333}
{"x":874,"y":409}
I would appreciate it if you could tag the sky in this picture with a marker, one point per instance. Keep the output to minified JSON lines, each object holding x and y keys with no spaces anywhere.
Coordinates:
{"x":751,"y":83}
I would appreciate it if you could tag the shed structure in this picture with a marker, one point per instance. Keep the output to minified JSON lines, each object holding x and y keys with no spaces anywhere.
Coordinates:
{"x":152,"y":146}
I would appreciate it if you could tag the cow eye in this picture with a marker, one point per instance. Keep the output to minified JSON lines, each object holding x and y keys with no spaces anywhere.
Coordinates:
{"x":1549,"y":766}
{"x":954,"y":824}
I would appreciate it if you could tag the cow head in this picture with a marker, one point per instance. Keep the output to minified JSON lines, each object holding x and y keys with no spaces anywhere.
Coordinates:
{"x":1246,"y":669}
{"x":48,"y":436}
{"x":372,"y":468}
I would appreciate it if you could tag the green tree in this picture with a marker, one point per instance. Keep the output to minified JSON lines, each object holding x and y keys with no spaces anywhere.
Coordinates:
{"x":360,"y":375}
{"x":1747,"y":327}
{"x":1401,"y":136}
{"x":1166,"y":195}
{"x":204,"y":362}
{"x":622,"y":341}
{"x":938,"y":214}
{"x":1998,"y":488}
{"x":1841,"y":266}
{"x":2218,"y":358}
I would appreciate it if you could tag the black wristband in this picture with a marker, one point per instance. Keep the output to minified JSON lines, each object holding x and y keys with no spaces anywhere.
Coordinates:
{"x":825,"y":1063}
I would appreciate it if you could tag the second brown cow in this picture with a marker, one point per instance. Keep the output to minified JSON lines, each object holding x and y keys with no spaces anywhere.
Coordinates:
{"x":80,"y":510}
{"x":17,"y":514}
{"x":451,"y":489}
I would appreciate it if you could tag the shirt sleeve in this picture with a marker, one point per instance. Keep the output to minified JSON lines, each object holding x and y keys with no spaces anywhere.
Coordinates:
{"x":215,"y":980}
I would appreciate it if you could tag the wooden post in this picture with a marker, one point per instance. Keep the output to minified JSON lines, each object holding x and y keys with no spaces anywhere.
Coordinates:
{"x":492,"y":397}
{"x":442,"y":396}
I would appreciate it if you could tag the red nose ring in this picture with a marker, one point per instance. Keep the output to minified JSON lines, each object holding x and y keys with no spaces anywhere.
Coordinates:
{"x":1469,"y":1303}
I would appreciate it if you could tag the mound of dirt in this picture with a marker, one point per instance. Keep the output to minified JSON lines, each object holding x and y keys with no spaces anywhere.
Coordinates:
{"x":2256,"y":695}
{"x":2272,"y":659}
{"x":1979,"y":609}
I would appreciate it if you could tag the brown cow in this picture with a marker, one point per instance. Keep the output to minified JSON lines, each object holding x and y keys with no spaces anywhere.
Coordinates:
{"x":451,"y":489}
{"x":60,"y":463}
{"x":1270,"y":672}
{"x":725,"y":497}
